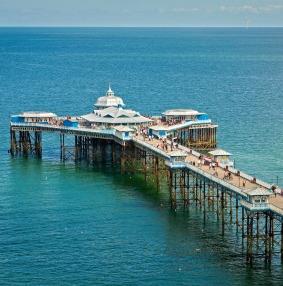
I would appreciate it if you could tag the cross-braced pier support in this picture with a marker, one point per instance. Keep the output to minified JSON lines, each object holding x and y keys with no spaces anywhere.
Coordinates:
{"x":137,"y":160}
{"x":25,"y":143}
{"x":262,"y":234}
{"x":95,"y":150}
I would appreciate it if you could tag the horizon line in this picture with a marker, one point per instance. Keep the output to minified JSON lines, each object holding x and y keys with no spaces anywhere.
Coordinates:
{"x":89,"y":26}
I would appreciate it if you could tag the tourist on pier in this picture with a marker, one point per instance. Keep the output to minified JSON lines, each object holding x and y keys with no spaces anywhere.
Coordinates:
{"x":225,"y":175}
{"x":199,"y":162}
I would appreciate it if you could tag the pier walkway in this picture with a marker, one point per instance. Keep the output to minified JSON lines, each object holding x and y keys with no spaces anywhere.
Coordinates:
{"x":239,"y":182}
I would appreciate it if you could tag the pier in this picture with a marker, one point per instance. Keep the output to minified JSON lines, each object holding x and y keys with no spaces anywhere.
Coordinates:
{"x":177,"y":151}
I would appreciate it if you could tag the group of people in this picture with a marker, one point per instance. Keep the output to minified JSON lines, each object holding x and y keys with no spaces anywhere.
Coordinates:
{"x":211,"y":165}
{"x":227,"y":175}
{"x":162,"y":143}
{"x":173,"y":122}
{"x":56,"y":122}
{"x":143,"y":132}
{"x":165,"y":145}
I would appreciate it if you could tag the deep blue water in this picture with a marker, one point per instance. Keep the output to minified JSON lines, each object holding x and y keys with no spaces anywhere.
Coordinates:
{"x":74,"y":225}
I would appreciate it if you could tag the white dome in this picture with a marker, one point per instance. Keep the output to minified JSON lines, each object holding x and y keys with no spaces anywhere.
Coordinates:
{"x":109,"y":100}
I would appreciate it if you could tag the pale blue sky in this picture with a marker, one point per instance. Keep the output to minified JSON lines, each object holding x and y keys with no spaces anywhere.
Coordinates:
{"x":141,"y":13}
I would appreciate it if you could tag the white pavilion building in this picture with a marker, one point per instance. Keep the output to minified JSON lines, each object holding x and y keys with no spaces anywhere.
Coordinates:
{"x":109,"y":112}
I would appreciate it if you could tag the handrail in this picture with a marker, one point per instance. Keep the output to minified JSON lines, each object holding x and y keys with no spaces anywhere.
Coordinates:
{"x":217,"y":180}
{"x":48,"y":126}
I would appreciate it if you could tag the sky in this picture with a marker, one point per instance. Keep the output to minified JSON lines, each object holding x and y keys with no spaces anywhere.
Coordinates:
{"x":191,"y":13}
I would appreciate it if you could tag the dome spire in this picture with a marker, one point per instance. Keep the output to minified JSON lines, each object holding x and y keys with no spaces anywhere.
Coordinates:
{"x":110,"y":91}
{"x":109,"y":100}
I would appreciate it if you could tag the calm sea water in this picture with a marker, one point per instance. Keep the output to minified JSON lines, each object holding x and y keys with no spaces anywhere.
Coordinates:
{"x":75,"y":225}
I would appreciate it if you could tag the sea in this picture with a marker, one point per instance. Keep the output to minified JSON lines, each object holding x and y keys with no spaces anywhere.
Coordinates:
{"x":68,"y":224}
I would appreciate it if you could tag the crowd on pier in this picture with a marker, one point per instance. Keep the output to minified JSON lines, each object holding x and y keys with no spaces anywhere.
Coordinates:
{"x":201,"y":162}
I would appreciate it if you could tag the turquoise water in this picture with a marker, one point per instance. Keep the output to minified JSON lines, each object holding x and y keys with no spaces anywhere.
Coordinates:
{"x":77,"y":225}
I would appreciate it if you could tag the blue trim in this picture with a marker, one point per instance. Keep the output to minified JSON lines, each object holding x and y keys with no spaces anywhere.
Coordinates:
{"x":71,"y":123}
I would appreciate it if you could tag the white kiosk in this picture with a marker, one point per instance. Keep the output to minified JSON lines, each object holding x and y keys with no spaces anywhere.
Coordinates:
{"x":177,"y":159}
{"x":258,"y":199}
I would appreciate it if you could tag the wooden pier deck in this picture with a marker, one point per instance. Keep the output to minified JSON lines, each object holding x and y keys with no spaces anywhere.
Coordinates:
{"x":240,"y":184}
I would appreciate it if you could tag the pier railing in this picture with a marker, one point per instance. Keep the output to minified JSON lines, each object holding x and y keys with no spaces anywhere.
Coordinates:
{"x":64,"y":129}
{"x":217,"y":180}
{"x":255,"y":206}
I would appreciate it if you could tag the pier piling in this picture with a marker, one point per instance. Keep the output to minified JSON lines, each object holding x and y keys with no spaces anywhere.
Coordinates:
{"x":186,"y":185}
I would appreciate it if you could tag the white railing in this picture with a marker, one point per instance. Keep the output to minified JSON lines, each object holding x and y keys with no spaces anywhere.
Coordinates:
{"x":57,"y":127}
{"x":175,"y":164}
{"x":188,"y":123}
{"x":217,"y":180}
{"x":255,"y":206}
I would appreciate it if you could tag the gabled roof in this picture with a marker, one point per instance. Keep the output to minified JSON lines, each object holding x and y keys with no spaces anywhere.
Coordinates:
{"x":181,"y":112}
{"x":37,"y":114}
{"x":115,"y":112}
{"x":259,"y":192}
{"x":122,"y":128}
{"x":115,"y":115}
{"x":177,"y":153}
{"x":219,"y":152}
{"x":158,"y":127}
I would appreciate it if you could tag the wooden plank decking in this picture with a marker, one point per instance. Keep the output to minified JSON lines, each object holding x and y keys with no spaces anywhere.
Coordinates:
{"x":239,"y":184}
